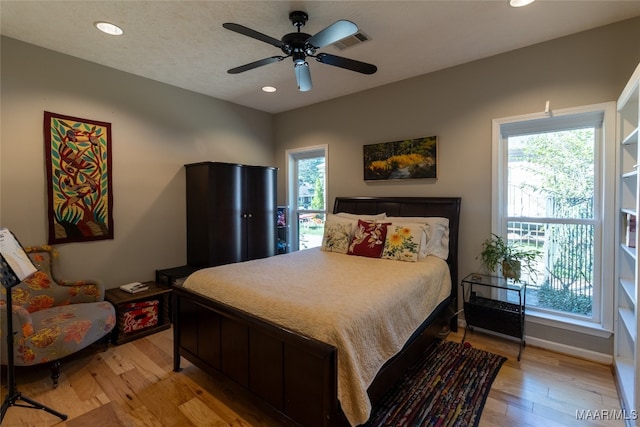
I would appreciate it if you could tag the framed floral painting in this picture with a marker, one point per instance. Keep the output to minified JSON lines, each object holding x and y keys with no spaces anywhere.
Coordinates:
{"x":407,"y":159}
{"x":80,"y":195}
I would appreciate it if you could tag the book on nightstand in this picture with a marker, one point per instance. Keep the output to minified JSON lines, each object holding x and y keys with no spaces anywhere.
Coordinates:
{"x":134,"y":287}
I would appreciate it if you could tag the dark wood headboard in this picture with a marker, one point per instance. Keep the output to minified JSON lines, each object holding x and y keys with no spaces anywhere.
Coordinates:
{"x":446,"y":207}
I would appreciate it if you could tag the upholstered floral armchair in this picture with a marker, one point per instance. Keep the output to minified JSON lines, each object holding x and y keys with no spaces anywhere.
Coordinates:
{"x":53,"y":318}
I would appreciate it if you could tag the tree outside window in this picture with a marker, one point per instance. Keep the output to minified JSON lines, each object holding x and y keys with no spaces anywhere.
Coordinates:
{"x":551,"y":187}
{"x":306,"y":194}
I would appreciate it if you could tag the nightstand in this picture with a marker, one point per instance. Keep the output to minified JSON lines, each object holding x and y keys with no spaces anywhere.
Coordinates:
{"x":495,"y":304}
{"x":139,"y":314}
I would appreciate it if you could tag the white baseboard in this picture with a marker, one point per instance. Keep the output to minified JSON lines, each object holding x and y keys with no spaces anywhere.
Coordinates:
{"x":605,"y":359}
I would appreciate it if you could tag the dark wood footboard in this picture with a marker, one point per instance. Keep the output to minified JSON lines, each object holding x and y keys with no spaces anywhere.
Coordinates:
{"x":294,"y":377}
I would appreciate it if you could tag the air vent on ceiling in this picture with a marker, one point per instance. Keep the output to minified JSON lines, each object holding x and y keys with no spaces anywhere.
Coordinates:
{"x":353,"y":40}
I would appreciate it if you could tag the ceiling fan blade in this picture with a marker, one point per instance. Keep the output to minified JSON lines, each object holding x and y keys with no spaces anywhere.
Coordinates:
{"x":346,"y":63}
{"x":303,"y":76}
{"x":334,"y":32}
{"x":253,"y":34}
{"x":256,"y":64}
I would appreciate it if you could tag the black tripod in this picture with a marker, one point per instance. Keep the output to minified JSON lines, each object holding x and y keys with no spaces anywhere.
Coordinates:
{"x":9,"y":280}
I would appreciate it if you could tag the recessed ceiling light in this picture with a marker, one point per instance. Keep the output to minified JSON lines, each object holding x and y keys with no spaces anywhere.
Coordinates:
{"x":109,"y":28}
{"x":520,"y":3}
{"x":269,"y":89}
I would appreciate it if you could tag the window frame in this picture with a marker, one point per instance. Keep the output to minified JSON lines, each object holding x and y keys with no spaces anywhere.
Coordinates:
{"x":292,"y":157}
{"x":601,"y":324}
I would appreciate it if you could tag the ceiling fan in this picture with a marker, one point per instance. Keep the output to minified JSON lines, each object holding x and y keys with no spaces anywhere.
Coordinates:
{"x":299,"y":46}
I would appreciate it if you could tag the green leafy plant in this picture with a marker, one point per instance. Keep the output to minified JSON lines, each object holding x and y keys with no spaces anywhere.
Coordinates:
{"x":512,"y":257}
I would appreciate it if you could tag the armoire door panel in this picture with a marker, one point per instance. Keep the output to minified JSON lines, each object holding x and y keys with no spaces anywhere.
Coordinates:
{"x":260,"y":202}
{"x":226,"y":223}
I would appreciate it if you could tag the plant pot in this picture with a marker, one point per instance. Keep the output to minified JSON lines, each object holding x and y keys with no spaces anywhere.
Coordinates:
{"x":511,"y":269}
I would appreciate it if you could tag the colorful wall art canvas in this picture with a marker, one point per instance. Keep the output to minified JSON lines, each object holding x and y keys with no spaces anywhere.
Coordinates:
{"x":78,"y":156}
{"x":408,"y":159}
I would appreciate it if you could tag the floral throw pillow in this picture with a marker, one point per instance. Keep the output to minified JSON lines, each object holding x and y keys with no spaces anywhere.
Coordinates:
{"x":336,"y":237}
{"x":403,"y":242}
{"x":368,"y":239}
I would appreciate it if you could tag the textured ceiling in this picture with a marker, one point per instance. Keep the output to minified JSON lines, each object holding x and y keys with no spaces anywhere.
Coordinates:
{"x":182,"y":43}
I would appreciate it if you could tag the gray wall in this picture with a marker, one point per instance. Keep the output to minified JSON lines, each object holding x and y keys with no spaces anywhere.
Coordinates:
{"x":457,"y":105}
{"x":156,"y":130}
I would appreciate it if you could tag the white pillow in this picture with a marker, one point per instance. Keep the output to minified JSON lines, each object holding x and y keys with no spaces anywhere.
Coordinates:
{"x":353,"y":218}
{"x":437,"y":234}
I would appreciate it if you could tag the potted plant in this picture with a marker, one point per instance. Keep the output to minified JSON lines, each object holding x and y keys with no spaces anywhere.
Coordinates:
{"x":511,"y":257}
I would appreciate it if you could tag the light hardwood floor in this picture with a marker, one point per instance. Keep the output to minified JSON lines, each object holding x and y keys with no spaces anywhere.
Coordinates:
{"x":134,"y":385}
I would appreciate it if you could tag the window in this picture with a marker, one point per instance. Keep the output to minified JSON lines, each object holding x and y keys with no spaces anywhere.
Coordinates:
{"x":307,"y":195}
{"x":553,"y":191}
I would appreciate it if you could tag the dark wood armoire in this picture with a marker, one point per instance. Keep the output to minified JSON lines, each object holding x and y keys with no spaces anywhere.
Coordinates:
{"x":231,"y":213}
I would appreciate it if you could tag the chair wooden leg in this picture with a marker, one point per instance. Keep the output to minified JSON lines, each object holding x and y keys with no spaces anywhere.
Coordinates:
{"x":55,"y":372}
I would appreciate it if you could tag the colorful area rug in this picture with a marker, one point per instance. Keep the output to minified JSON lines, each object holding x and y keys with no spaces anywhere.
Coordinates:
{"x":448,"y":387}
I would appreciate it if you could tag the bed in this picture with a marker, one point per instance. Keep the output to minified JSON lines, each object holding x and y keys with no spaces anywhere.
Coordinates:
{"x":298,"y":368}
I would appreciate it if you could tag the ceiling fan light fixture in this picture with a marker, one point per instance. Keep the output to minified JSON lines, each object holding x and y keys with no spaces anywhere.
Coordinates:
{"x":108,"y":28}
{"x":303,"y":76}
{"x":520,"y":3}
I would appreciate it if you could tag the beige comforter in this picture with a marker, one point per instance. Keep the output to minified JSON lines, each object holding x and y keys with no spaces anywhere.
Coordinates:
{"x":367,"y":308}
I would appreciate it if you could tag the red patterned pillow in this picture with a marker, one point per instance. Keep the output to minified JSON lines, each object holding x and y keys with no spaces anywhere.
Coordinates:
{"x":368,"y":239}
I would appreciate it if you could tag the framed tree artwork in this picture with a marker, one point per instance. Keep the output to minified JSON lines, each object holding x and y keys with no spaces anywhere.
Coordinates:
{"x":407,"y":159}
{"x":80,"y":195}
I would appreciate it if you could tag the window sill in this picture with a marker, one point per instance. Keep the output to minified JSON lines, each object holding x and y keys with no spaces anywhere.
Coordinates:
{"x":574,"y":325}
